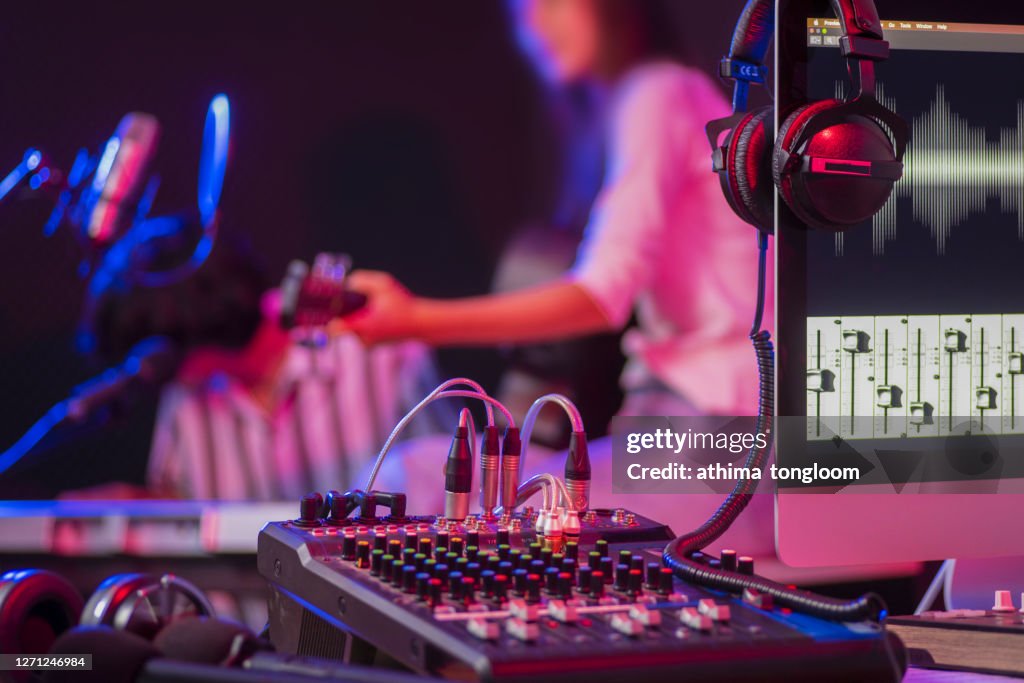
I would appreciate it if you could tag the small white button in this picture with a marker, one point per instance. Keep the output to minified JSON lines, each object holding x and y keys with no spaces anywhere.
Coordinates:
{"x":1004,"y":602}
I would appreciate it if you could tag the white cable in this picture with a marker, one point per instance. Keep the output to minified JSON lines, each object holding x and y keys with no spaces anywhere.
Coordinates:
{"x":531,"y":417}
{"x":440,"y":392}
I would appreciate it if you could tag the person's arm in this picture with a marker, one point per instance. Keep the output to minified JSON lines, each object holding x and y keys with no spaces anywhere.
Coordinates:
{"x":552,"y":311}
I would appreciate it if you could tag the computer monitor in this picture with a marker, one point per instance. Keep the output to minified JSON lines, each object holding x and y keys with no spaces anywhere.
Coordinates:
{"x":901,"y":341}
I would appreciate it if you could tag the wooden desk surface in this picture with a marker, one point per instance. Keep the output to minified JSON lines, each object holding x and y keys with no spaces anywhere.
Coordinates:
{"x":915,"y":675}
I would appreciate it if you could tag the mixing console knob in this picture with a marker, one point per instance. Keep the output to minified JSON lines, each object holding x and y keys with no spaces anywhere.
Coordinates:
{"x":423,"y":585}
{"x":348,"y":547}
{"x":500,"y":589}
{"x":395,"y":547}
{"x":363,"y":554}
{"x":597,"y":584}
{"x":535,"y":549}
{"x":522,"y":630}
{"x":426,"y":545}
{"x":411,"y":539}
{"x":473,"y":570}
{"x":380,"y":541}
{"x":441,"y":572}
{"x":607,"y":569}
{"x":572,"y":550}
{"x":533,"y":587}
{"x":745,"y":565}
{"x":728,"y":559}
{"x":461,"y":565}
{"x":625,"y":557}
{"x":569,"y":565}
{"x":457,"y":544}
{"x":601,"y":546}
{"x":397,"y":567}
{"x":375,"y":561}
{"x":503,"y":537}
{"x":442,"y":539}
{"x":584,"y":579}
{"x":473,"y":537}
{"x":455,"y":585}
{"x":1003,"y":602}
{"x":537,"y":567}
{"x":504,"y":551}
{"x":519,"y":580}
{"x":386,"y":563}
{"x":436,"y":589}
{"x":484,"y":629}
{"x":468,"y":590}
{"x":545,"y":556}
{"x":621,"y":577}
{"x":565,"y":585}
{"x":664,"y":581}
{"x":409,"y":573}
{"x":594,"y":559}
{"x":515,"y":557}
{"x":487,"y":581}
{"x":653,"y":572}
{"x":551,"y":580}
{"x":309,"y":510}
{"x":625,"y":625}
{"x":636,"y":581}
{"x":505,"y":568}
{"x":645,"y":615}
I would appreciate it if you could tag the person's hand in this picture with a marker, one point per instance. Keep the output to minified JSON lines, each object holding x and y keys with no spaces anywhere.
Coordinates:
{"x":389,"y":313}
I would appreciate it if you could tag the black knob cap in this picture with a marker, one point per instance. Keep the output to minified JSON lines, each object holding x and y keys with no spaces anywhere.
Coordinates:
{"x":514,"y":556}
{"x":473,"y":570}
{"x":537,"y":567}
{"x":535,"y":549}
{"x":637,"y":562}
{"x":426,"y":545}
{"x":545,"y":556}
{"x":419,"y":559}
{"x":442,"y":539}
{"x":625,"y":557}
{"x":504,"y":538}
{"x":386,"y":562}
{"x":457,"y":544}
{"x":487,"y":581}
{"x":473,"y":553}
{"x":380,"y":541}
{"x":455,"y":585}
{"x":473,"y":538}
{"x":519,"y":580}
{"x":572,"y":549}
{"x":441,"y":572}
{"x":436,"y":589}
{"x":440,"y":552}
{"x":348,"y":547}
{"x":395,"y":547}
{"x":607,"y":569}
{"x":636,"y":581}
{"x":532,"y":588}
{"x":500,"y":589}
{"x":411,"y":539}
{"x":569,"y":565}
{"x":504,"y":551}
{"x":565,"y":585}
{"x":745,"y":565}
{"x":665,"y":581}
{"x":409,"y":573}
{"x":594,"y":559}
{"x":397,"y":567}
{"x":621,"y":576}
{"x":423,"y":585}
{"x":376,"y":556}
{"x":585,"y":574}
{"x":504,"y":568}
{"x":468,"y":590}
{"x":309,"y":509}
{"x":551,"y":580}
{"x":601,"y":546}
{"x":428,"y":566}
{"x":728,"y":559}
{"x":597,"y":584}
{"x":653,"y":572}
{"x":363,"y":554}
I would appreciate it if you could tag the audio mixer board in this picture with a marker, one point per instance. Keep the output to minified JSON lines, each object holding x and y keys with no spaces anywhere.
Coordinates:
{"x":490,"y":600}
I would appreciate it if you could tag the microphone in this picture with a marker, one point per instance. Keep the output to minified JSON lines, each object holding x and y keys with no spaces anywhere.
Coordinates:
{"x":458,"y":471}
{"x":121,"y":175}
{"x":150,"y":363}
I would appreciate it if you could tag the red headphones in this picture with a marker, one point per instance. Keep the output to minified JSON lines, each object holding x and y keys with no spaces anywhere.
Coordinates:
{"x":834,"y":162}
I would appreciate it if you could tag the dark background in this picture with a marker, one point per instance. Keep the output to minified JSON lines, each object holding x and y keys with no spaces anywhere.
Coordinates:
{"x":410,"y":134}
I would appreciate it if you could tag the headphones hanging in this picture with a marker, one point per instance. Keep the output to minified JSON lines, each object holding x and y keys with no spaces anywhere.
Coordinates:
{"x":834,"y":162}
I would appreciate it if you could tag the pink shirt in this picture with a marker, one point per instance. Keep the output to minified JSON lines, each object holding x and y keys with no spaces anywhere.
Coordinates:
{"x":663,"y":242}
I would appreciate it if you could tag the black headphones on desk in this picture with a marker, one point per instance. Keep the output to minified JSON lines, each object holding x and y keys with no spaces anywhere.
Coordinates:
{"x":834,"y":162}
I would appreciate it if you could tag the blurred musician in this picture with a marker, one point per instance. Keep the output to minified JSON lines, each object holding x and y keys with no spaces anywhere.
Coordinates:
{"x":251,"y":415}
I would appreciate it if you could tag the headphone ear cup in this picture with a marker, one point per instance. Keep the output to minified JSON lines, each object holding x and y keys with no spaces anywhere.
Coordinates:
{"x":36,"y":607}
{"x":789,"y":131}
{"x":749,"y":167}
{"x":832,"y":201}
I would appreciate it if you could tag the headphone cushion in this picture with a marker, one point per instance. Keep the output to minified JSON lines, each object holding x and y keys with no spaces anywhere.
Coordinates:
{"x":748,"y":157}
{"x":789,"y":132}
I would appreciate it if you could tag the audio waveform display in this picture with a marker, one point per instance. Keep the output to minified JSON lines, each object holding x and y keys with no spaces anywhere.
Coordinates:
{"x":951,"y":170}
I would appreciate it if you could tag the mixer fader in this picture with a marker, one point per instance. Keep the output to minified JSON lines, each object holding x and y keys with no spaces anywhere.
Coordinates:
{"x":914,"y":375}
